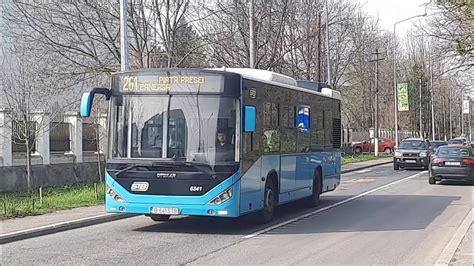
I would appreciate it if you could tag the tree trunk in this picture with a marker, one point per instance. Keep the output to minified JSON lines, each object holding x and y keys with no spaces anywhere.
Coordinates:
{"x":97,"y":135}
{"x":28,"y":165}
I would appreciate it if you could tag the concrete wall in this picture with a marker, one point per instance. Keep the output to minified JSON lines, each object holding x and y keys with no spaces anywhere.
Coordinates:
{"x":13,"y":178}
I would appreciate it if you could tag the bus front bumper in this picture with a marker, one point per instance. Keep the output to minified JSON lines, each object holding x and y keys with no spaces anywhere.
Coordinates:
{"x":174,"y":205}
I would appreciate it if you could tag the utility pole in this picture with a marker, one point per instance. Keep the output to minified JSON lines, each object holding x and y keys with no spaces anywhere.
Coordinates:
{"x":470,"y":118}
{"x":327,"y":46}
{"x":450,"y":113}
{"x":462,"y":112}
{"x":319,"y":47}
{"x":252,"y":36}
{"x":421,"y":121}
{"x":376,"y":131}
{"x":123,"y":36}
{"x":432,"y":98}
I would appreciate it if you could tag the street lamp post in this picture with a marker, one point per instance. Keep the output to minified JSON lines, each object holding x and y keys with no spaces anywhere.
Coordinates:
{"x":395,"y":73}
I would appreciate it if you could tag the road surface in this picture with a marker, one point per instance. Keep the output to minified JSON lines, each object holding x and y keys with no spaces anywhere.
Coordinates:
{"x":386,"y":217}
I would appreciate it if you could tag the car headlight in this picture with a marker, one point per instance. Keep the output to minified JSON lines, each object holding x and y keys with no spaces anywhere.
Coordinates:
{"x":223,"y":197}
{"x":423,"y":154}
{"x":114,"y":195}
{"x":398,"y":153}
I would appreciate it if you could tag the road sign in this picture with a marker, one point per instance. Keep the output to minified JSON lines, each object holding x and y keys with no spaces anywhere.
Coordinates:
{"x":465,"y":106}
{"x":402,"y":91}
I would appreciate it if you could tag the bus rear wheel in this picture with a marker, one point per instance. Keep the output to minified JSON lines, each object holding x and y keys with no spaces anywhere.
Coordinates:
{"x":313,"y":201}
{"x":159,"y":217}
{"x":269,"y":203}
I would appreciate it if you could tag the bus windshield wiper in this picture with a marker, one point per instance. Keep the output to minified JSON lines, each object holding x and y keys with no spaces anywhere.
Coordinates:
{"x":203,"y":168}
{"x":130,"y":167}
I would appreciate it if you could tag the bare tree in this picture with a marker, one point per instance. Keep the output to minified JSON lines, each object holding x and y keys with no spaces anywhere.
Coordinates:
{"x":451,"y":24}
{"x":26,"y":90}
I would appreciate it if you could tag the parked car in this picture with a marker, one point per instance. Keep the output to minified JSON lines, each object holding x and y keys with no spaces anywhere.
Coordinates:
{"x":452,"y":162}
{"x":412,"y":153}
{"x":385,"y":145}
{"x":438,"y":143}
{"x":458,"y":140}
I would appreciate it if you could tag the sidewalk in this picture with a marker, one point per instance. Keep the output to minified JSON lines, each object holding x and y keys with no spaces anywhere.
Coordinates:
{"x":19,"y":224}
{"x":31,"y":226}
{"x":465,"y":252}
{"x":362,"y":165}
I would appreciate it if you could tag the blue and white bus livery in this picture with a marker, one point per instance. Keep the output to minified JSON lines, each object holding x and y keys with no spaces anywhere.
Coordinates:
{"x":217,"y":142}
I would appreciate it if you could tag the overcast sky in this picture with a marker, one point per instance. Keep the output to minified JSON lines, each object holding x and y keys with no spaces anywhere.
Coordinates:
{"x":391,"y":11}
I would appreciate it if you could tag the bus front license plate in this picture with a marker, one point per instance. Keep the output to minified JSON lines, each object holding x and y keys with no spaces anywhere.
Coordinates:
{"x":167,"y":211}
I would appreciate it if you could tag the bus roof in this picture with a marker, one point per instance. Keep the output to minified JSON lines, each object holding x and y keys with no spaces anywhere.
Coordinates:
{"x":260,"y":75}
{"x":274,"y":78}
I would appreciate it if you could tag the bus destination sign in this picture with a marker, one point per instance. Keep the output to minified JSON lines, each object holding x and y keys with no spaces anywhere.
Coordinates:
{"x":165,"y":84}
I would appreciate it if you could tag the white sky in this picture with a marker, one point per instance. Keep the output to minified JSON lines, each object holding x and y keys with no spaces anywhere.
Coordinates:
{"x":391,"y":11}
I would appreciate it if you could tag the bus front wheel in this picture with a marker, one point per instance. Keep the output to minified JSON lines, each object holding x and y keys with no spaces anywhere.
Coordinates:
{"x":269,"y":202}
{"x":159,"y":217}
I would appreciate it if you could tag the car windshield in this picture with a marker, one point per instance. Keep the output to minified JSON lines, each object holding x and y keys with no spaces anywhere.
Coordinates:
{"x":454,"y":152}
{"x":437,"y":144}
{"x":192,"y":128}
{"x":413,"y":145}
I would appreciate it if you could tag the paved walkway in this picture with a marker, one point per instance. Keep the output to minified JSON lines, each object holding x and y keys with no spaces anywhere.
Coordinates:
{"x":353,"y":166}
{"x":465,"y":252}
{"x":18,"y":224}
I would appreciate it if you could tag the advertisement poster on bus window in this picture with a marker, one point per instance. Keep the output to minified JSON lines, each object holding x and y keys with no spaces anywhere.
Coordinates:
{"x":402,"y":90}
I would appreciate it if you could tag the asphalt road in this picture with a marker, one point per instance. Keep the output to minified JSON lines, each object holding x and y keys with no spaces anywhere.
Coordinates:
{"x":407,"y":222}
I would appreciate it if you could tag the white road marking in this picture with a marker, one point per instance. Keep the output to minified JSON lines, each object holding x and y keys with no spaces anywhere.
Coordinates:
{"x":330,"y":206}
{"x":363,"y":171}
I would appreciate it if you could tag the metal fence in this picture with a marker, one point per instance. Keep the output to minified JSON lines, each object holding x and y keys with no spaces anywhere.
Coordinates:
{"x":19,"y":131}
{"x":89,"y":136}
{"x":59,"y":137}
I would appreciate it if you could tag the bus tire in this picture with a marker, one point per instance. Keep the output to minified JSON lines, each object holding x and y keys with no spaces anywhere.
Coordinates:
{"x":159,"y":217}
{"x":313,"y":201}
{"x":269,"y":202}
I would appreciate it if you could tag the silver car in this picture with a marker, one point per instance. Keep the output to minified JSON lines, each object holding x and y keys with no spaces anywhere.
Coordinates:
{"x":412,"y":153}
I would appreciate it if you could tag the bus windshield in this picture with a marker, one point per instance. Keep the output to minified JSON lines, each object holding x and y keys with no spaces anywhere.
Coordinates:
{"x":192,"y":128}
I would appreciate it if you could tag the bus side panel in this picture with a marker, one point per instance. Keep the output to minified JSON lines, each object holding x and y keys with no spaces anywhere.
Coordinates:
{"x":250,"y":188}
{"x":331,"y":171}
{"x":304,"y":171}
{"x":287,"y":175}
{"x":250,"y":199}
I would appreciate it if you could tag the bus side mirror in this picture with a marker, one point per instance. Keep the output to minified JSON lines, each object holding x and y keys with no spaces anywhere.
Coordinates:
{"x":88,"y":98}
{"x":250,"y":114}
{"x":86,"y":104}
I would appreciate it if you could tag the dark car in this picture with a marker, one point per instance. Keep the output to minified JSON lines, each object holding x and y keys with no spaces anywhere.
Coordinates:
{"x":438,"y":143}
{"x":458,"y":140}
{"x":412,"y":153}
{"x":452,"y":162}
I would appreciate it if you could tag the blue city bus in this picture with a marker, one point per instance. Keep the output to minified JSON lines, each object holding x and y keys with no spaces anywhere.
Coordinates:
{"x":217,"y":142}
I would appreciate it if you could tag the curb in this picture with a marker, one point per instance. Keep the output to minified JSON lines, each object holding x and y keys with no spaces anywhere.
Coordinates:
{"x":59,"y":227}
{"x":450,"y":249}
{"x":365,"y":167}
{"x":103,"y":218}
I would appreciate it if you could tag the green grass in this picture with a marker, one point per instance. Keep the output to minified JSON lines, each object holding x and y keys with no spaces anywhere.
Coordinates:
{"x":20,"y":204}
{"x":355,"y":158}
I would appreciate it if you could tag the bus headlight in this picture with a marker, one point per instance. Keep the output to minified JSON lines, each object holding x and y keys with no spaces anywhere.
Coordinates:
{"x":114,"y":195}
{"x":223,"y":197}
